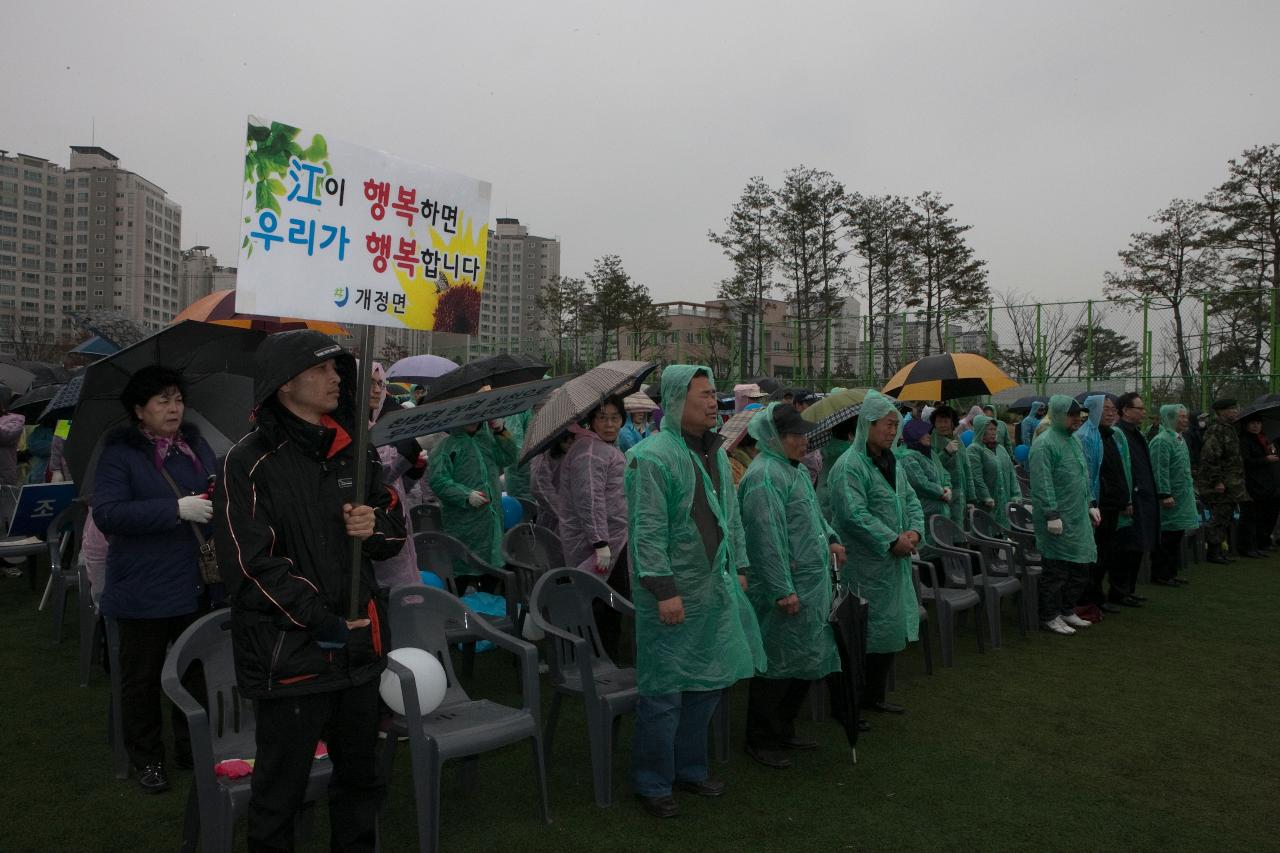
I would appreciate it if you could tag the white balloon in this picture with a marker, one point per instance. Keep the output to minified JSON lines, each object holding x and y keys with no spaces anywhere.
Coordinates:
{"x":428,"y":676}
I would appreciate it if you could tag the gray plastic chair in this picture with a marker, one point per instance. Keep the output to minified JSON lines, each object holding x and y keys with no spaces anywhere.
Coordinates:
{"x":561,"y":605}
{"x":530,"y":551}
{"x":115,"y":720}
{"x":13,"y":547}
{"x":991,"y":583}
{"x":924,"y":617}
{"x":1001,"y":556}
{"x":461,"y":727}
{"x":93,"y":629}
{"x":63,"y":540}
{"x":442,"y":554}
{"x":425,"y":517}
{"x":1022,"y":530}
{"x":952,"y":592}
{"x":528,"y":511}
{"x":224,"y":731}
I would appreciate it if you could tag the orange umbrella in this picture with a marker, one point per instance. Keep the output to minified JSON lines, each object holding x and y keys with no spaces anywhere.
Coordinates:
{"x":220,"y":307}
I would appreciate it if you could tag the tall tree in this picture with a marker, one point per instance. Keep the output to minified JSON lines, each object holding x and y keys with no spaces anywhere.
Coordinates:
{"x":561,"y":304}
{"x":611,"y":295}
{"x":1170,"y":265}
{"x":748,"y":243}
{"x":643,"y":320}
{"x":1107,"y":354}
{"x":796,"y":231}
{"x":880,"y":227}
{"x":946,"y":279}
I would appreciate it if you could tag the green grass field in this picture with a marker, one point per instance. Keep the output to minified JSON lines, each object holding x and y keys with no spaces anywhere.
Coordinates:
{"x":1155,"y":730}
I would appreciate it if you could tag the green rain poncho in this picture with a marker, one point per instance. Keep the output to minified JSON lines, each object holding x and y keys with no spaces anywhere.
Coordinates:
{"x":928,"y":478}
{"x":464,"y":463}
{"x":1060,"y":489}
{"x":982,"y":462}
{"x":788,"y":542}
{"x":516,"y":475}
{"x":869,"y":513}
{"x":719,"y":641}
{"x":1171,"y":465}
{"x":1007,"y":490}
{"x":831,"y":451}
{"x":956,"y":466}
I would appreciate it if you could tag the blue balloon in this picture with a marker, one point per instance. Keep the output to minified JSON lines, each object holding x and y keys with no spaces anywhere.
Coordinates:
{"x":512,"y":512}
{"x":1021,"y":454}
{"x":967,"y":438}
{"x":431,"y":579}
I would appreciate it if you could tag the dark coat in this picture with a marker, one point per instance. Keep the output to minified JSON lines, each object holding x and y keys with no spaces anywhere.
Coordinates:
{"x":1261,"y":478}
{"x":282,"y":543}
{"x":1113,"y":487}
{"x":1144,"y":533}
{"x":153,"y":568}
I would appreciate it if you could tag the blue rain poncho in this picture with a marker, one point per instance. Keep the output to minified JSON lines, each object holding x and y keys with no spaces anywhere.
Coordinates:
{"x":1091,"y":442}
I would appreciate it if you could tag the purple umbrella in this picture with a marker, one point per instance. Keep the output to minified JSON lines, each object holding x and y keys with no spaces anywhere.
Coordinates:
{"x":419,"y":369}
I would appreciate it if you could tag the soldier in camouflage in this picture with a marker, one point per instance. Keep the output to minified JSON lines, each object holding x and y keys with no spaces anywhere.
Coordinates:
{"x":1220,"y":477}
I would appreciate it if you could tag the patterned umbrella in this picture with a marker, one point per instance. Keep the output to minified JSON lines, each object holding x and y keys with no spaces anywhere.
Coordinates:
{"x":946,"y":376}
{"x":735,"y":428}
{"x":115,"y":328}
{"x":571,"y":402}
{"x":220,"y":307}
{"x":62,"y":403}
{"x":831,"y":410}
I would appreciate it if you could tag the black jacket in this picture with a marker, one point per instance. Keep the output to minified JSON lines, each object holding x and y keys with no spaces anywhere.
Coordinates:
{"x":1113,"y":486}
{"x":1260,"y":476}
{"x":1143,"y":535}
{"x":282,"y":542}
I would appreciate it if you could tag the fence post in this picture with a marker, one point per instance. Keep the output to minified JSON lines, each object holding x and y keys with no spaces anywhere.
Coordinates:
{"x":902,"y":357}
{"x":1088,"y":349}
{"x":990,"y":354}
{"x":1039,"y":354}
{"x":827,"y":358}
{"x":1204,"y":354}
{"x":1146,"y":348}
{"x":1274,"y":385}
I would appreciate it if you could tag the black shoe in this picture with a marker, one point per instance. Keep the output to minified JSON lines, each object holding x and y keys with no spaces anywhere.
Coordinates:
{"x":864,"y":726}
{"x":660,"y":806}
{"x":1255,"y":554}
{"x":1138,"y":598}
{"x":1131,"y":601}
{"x":706,"y":788}
{"x":886,"y":708}
{"x":800,"y":744}
{"x":1180,"y":581}
{"x":1165,"y":582}
{"x":1218,"y":559}
{"x":1109,"y":607}
{"x":769,"y":757}
{"x":152,"y":779}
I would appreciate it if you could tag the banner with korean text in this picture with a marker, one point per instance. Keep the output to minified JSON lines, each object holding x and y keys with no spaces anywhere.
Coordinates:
{"x":335,"y":231}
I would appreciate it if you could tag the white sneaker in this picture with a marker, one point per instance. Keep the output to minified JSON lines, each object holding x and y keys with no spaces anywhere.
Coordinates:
{"x":1057,"y":626}
{"x":1075,"y":621}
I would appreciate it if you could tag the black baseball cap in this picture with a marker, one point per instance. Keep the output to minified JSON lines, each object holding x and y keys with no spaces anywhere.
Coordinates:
{"x":789,"y":422}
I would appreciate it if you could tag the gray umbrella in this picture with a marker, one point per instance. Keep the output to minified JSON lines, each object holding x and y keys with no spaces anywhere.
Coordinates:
{"x":575,"y":399}
{"x":115,"y":328}
{"x":18,"y":378}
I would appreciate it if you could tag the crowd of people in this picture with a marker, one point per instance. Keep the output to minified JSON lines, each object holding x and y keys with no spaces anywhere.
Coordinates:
{"x":731,"y":548}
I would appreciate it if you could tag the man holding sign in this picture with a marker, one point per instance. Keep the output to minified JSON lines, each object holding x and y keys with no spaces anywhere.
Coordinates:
{"x":285,"y":511}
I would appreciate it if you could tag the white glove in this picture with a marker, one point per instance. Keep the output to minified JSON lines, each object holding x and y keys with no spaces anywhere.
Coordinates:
{"x":1055,"y":527}
{"x":1095,"y":515}
{"x":990,"y":502}
{"x":195,"y":508}
{"x":477,"y":498}
{"x":604,"y":559}
{"x":952,"y":446}
{"x":946,"y":495}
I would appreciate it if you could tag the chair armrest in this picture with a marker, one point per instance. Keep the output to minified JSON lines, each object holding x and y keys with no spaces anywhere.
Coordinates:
{"x":527,"y":654}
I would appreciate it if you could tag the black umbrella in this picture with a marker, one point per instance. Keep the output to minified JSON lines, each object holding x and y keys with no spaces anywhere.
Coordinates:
{"x":1085,"y":395}
{"x":1023,"y":405}
{"x":1266,"y":411}
{"x":495,"y":371}
{"x":46,"y":373}
{"x":849,"y":624}
{"x":61,"y":404}
{"x":15,"y":376}
{"x":32,"y":403}
{"x":216,"y":363}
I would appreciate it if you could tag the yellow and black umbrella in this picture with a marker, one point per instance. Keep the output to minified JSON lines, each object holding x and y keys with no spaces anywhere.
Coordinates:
{"x":946,"y":376}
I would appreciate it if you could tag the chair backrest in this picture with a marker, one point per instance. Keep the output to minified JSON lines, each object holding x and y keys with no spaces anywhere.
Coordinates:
{"x":982,"y":523}
{"x":1019,"y":516}
{"x":945,"y":532}
{"x":65,"y":533}
{"x":426,"y":517}
{"x":531,"y":550}
{"x":207,"y":642}
{"x":563,"y":598}
{"x":419,"y":617}
{"x":528,"y":510}
{"x":442,"y":554}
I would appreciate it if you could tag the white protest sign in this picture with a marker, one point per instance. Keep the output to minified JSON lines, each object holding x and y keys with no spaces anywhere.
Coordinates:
{"x":460,"y":411}
{"x":335,"y":231}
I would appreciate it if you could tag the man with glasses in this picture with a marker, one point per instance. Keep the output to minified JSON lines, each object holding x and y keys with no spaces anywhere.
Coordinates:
{"x":1138,"y":534}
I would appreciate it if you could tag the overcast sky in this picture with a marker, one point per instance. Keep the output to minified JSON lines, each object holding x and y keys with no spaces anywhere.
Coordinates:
{"x":1055,"y":129}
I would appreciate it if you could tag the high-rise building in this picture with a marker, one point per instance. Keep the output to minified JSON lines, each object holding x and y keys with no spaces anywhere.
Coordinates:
{"x":89,"y":237}
{"x":199,"y":275}
{"x":519,"y":266}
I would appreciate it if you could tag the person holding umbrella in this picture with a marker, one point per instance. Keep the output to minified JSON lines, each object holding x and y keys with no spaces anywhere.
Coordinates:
{"x":1262,"y":482}
{"x":544,"y":481}
{"x":878,"y":517}
{"x":793,"y":550}
{"x":1171,"y":464}
{"x":463,"y":474}
{"x":1063,"y":517}
{"x":593,"y":510}
{"x":400,"y":464}
{"x":287,"y":510}
{"x":696,"y":631}
{"x":11,"y":427}
{"x":955,"y":462}
{"x":151,"y":501}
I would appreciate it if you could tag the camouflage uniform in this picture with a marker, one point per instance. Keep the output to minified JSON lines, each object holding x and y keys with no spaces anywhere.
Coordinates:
{"x":1221,"y":462}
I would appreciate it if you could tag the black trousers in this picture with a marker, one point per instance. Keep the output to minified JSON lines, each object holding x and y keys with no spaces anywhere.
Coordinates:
{"x":608,"y":620}
{"x":1221,"y":515}
{"x":1061,"y":584}
{"x":877,"y":672}
{"x":287,"y":732}
{"x":1100,"y":568}
{"x":772,"y":707}
{"x":143,"y":646}
{"x":1258,"y":519}
{"x":1166,"y":559}
{"x":1122,"y":569}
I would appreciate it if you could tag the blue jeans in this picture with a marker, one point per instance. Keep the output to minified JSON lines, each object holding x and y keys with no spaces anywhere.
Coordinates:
{"x":670,"y":740}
